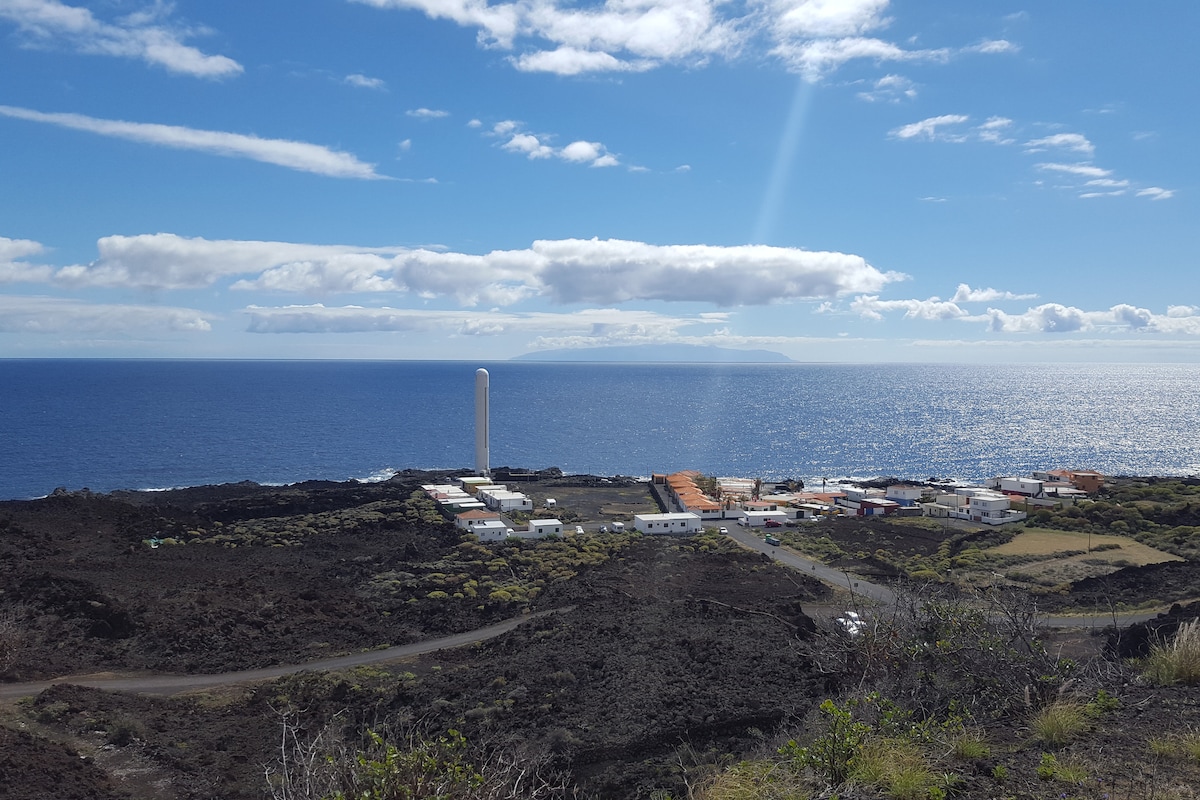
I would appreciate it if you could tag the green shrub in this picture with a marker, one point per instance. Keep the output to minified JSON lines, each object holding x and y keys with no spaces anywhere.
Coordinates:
{"x":830,"y":754}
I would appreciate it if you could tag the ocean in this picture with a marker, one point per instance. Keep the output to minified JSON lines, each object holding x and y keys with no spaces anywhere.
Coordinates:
{"x":107,"y":425}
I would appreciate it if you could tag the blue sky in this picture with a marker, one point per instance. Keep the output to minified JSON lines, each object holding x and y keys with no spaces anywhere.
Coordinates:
{"x":834,"y":180}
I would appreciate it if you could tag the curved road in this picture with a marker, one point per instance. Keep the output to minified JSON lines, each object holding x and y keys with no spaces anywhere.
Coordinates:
{"x":173,"y":684}
{"x":882,"y":595}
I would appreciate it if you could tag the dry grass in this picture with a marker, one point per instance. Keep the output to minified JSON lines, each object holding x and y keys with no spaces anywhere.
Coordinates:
{"x":1177,"y":661}
{"x":1046,"y":542}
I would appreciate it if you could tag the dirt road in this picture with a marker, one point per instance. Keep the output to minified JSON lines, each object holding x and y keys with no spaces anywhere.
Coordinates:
{"x":174,"y":684}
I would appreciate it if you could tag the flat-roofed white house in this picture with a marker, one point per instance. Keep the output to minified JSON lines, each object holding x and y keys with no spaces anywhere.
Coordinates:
{"x":978,"y":505}
{"x":679,"y":523}
{"x":501,"y":499}
{"x":540,"y":529}
{"x":759,"y":519}
{"x":904,"y":494}
{"x":1026,"y":487}
{"x":468,"y":520}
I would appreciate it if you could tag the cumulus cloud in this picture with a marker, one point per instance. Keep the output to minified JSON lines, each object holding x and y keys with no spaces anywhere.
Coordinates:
{"x":812,"y":37}
{"x":300,"y":156}
{"x":1056,"y":318}
{"x":573,"y":61}
{"x":1048,"y":318}
{"x":363,"y":82}
{"x":535,"y":146}
{"x":965,"y":294}
{"x":24,"y":314}
{"x":164,"y":261}
{"x":14,"y":269}
{"x":1075,"y":142}
{"x":427,"y":113}
{"x":872,"y":307}
{"x":150,"y":36}
{"x":595,"y":271}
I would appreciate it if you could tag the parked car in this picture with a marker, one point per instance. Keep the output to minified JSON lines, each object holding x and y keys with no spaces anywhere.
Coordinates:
{"x":723,"y":530}
{"x":772,"y":523}
{"x":578,"y":529}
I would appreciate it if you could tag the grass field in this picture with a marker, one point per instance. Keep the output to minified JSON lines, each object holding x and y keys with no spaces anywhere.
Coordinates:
{"x":1051,"y":557}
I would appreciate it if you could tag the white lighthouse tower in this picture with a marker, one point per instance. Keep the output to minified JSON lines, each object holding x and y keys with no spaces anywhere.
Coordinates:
{"x":481,"y":423}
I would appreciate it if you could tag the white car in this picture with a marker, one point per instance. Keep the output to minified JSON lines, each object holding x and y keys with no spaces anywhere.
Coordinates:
{"x":578,"y":529}
{"x":723,"y":530}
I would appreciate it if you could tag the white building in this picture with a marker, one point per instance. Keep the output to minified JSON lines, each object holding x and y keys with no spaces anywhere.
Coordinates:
{"x":758,"y":519}
{"x":986,"y":506}
{"x":904,"y":494}
{"x":1026,"y":487}
{"x":499,"y":498}
{"x":540,"y":529}
{"x":679,"y":523}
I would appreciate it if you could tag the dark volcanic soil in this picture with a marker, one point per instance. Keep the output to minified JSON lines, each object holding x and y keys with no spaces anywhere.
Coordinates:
{"x":672,"y":652}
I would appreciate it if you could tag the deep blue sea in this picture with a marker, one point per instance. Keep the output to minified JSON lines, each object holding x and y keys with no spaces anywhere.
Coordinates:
{"x":109,"y":425}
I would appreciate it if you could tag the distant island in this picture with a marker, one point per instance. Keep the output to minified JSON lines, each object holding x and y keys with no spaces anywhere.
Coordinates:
{"x":686,"y":353}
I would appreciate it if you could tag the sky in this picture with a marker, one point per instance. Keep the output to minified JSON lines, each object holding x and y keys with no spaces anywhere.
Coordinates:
{"x":833,"y":180}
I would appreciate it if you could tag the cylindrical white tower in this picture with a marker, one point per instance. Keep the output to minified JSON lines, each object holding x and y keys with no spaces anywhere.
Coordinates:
{"x":481,"y":423}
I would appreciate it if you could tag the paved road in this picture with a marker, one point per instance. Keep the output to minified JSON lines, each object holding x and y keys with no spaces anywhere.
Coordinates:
{"x":862,"y":589}
{"x":174,"y":684}
{"x":830,"y":575}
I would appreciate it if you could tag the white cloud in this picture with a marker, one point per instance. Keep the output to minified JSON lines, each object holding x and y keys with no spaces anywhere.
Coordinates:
{"x":994,"y":130}
{"x":528,"y":144}
{"x":12,"y":249}
{"x":890,"y":89}
{"x":1048,"y":318}
{"x":813,"y":37}
{"x":572,"y":61}
{"x":992,"y":47}
{"x":1056,"y":318}
{"x":1075,"y":142}
{"x":565,"y":271}
{"x":24,"y":314}
{"x":1082,"y":170}
{"x":615,"y":271}
{"x":149,"y":36}
{"x":300,"y":156}
{"x":363,"y":82}
{"x":965,"y":294}
{"x":535,"y":146}
{"x":427,"y":113}
{"x":1156,"y":193}
{"x":13,"y":268}
{"x":932,"y":129}
{"x":816,"y":58}
{"x":872,"y":307}
{"x":164,"y":261}
{"x":593,"y":326}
